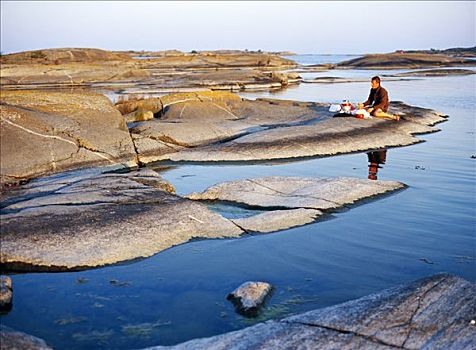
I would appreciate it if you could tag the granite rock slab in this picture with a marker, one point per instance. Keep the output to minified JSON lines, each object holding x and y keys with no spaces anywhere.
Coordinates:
{"x":45,"y":132}
{"x":89,"y":220}
{"x":277,"y":192}
{"x":311,"y":134}
{"x":11,"y":339}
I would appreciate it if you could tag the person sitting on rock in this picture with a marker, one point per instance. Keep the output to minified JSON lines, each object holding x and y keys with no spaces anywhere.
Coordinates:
{"x":377,"y":103}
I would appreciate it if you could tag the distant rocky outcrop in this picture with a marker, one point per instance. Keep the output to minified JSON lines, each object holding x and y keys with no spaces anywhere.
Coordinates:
{"x":63,"y":55}
{"x":49,"y":131}
{"x":434,"y":73}
{"x":220,"y":60}
{"x":431,"y":313}
{"x":169,"y":70}
{"x":67,"y":67}
{"x":454,"y":51}
{"x":399,"y":60}
{"x":144,"y":53}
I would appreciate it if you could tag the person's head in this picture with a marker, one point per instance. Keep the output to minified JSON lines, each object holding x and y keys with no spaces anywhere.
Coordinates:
{"x":375,"y":82}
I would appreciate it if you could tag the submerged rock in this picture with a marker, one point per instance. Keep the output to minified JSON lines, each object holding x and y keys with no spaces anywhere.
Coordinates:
{"x":12,"y":339}
{"x":250,"y":296}
{"x":85,"y":219}
{"x":45,"y":132}
{"x":431,"y":313}
{"x":6,"y":293}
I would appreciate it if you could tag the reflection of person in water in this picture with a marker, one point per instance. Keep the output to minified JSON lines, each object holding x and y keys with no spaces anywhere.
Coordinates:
{"x":375,"y":159}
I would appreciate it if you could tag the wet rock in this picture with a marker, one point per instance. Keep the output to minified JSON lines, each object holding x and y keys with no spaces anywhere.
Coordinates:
{"x":12,"y":339}
{"x":297,"y":192}
{"x":45,"y":132}
{"x":431,"y":313}
{"x":308,"y":131}
{"x":6,"y":293}
{"x":88,"y":219}
{"x":250,"y":297}
{"x":276,"y":220}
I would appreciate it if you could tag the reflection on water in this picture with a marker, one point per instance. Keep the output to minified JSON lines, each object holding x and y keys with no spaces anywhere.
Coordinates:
{"x":376,"y":159}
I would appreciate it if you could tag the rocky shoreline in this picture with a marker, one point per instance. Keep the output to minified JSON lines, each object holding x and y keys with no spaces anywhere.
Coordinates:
{"x":75,"y":192}
{"x":435,"y":312}
{"x":431,"y":313}
{"x":113,"y":71}
{"x":90,"y":219}
{"x":71,"y":130}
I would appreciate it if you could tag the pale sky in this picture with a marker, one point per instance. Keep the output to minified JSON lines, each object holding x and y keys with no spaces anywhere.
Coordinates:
{"x":302,"y":27}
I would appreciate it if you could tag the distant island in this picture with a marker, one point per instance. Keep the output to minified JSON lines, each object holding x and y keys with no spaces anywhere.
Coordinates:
{"x":454,"y":51}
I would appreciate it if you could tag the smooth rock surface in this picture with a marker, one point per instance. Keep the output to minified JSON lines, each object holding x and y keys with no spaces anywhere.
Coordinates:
{"x":250,"y":297}
{"x":87,"y":219}
{"x":431,"y":313}
{"x":297,"y":192}
{"x":196,"y":120}
{"x":312,"y":132}
{"x":276,"y":220}
{"x":6,"y":293}
{"x":11,"y":339}
{"x":88,"y":67}
{"x":49,"y":131}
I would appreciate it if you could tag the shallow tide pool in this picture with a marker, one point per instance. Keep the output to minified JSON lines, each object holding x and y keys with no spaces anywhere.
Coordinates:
{"x":180,"y":294}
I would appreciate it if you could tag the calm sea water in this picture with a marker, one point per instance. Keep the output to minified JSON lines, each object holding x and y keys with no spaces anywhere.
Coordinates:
{"x":179,"y":294}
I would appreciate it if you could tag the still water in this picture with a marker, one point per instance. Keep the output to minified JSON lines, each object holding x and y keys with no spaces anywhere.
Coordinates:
{"x":179,"y":294}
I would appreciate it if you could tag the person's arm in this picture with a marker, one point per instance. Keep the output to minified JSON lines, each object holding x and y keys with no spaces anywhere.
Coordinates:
{"x":370,"y":99}
{"x":382,"y":99}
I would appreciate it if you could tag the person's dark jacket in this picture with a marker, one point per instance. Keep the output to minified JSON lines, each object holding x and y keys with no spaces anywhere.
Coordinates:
{"x":379,"y":98}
